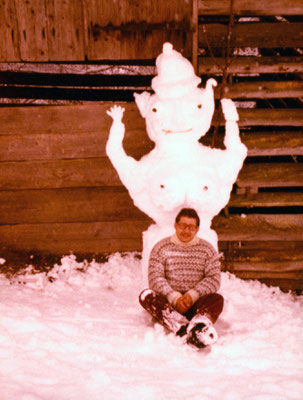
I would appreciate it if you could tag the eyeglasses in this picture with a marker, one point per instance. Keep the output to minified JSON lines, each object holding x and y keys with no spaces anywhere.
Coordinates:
{"x":191,"y":227}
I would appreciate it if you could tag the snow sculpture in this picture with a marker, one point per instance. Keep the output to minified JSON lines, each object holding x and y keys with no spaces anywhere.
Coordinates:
{"x":179,"y":172}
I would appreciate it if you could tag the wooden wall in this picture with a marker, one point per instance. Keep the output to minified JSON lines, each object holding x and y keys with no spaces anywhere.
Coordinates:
{"x":78,"y":30}
{"x":59,"y":192}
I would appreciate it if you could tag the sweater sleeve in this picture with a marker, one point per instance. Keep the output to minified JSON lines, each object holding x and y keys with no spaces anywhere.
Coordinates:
{"x":156,"y":275}
{"x":212,"y":274}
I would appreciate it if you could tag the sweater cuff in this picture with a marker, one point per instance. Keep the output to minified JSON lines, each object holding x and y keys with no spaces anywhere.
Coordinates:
{"x":173,"y":298}
{"x":193,"y":294}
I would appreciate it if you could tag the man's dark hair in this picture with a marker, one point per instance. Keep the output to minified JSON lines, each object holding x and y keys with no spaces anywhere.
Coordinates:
{"x":190,"y":213}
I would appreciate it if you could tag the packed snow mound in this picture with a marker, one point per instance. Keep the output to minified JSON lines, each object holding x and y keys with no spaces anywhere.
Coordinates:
{"x":79,"y":332}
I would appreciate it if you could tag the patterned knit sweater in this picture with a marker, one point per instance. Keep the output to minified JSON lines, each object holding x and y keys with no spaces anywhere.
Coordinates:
{"x":176,"y":268}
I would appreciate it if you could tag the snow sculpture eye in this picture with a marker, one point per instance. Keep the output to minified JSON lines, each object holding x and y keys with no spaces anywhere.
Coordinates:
{"x":205,"y":188}
{"x":154,"y":109}
{"x":199,"y":105}
{"x":162,"y":186}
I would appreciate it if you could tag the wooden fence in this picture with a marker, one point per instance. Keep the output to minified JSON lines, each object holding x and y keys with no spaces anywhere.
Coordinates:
{"x":58,"y":190}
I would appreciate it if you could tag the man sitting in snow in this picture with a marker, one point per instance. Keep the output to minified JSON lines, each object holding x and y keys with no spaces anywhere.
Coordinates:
{"x":184,"y":276}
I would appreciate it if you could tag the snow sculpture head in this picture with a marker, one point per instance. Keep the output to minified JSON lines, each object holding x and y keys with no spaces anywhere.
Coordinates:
{"x":178,"y":106}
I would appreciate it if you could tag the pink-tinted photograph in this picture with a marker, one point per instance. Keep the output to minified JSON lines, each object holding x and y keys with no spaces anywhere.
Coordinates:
{"x":151,"y":200}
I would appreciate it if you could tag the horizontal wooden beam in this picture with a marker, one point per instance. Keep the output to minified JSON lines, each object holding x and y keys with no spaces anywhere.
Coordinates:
{"x":273,"y":143}
{"x":267,"y":199}
{"x":252,"y":65}
{"x":93,"y":118}
{"x":269,"y":266}
{"x":271,"y":175}
{"x":259,"y":227}
{"x":62,"y":239}
{"x":262,"y":90}
{"x":207,"y":66}
{"x":295,"y":275}
{"x":56,"y":174}
{"x":104,"y":237}
{"x":67,"y":205}
{"x":65,"y":119}
{"x":270,"y":117}
{"x":51,"y":146}
{"x":251,"y":7}
{"x":257,"y":34}
{"x":272,"y":246}
{"x":265,"y":143}
{"x":110,"y":204}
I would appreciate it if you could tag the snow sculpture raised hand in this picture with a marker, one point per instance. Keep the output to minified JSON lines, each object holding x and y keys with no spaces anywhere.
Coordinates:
{"x":179,"y":172}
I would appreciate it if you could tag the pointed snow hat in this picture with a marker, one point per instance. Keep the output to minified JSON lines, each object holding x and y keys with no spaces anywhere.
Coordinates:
{"x":176,"y":76}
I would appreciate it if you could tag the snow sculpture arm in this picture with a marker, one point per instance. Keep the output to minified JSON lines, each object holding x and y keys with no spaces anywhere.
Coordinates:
{"x":235,"y":151}
{"x":126,"y":166}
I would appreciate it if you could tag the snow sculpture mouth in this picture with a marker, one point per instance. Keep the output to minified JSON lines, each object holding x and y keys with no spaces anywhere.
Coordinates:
{"x":169,"y":131}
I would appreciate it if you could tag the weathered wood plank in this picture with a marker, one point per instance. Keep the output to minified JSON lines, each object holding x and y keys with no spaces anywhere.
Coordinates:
{"x":252,"y":65}
{"x":240,"y":65}
{"x":288,"y":227}
{"x":270,"y":266}
{"x":32,"y":25}
{"x":60,"y":238}
{"x":268,"y":245}
{"x":9,"y":43}
{"x":265,"y":143}
{"x":91,"y":144}
{"x":93,"y":118}
{"x":271,"y":175}
{"x":68,"y":146}
{"x":67,"y":205}
{"x":58,"y":174}
{"x":100,"y":237}
{"x":65,"y":30}
{"x":101,"y":43}
{"x":124,"y":30}
{"x":268,"y":199}
{"x":270,"y":117}
{"x":266,"y":261}
{"x":66,"y":119}
{"x":258,"y":34}
{"x":251,"y":7}
{"x":96,"y":172}
{"x":273,"y":143}
{"x":294,"y":275}
{"x":262,"y":90}
{"x":110,"y":203}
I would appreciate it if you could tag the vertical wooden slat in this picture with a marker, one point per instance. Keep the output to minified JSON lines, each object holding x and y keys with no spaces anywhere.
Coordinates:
{"x":195,"y":44}
{"x":32,"y":29}
{"x":125,"y":29}
{"x":65,"y":30}
{"x":178,"y":12}
{"x":9,"y":43}
{"x":102,"y":41}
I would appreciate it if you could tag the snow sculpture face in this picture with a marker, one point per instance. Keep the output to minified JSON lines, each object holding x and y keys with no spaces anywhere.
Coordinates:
{"x":178,"y":106}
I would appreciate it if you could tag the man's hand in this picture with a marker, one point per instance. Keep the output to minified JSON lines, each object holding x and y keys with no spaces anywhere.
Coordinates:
{"x":184,"y":303}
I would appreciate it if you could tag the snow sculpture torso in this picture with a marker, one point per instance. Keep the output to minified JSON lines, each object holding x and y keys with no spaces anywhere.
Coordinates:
{"x":179,"y":172}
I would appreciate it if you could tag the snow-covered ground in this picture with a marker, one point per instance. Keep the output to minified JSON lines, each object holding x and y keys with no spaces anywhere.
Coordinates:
{"x":84,"y":336}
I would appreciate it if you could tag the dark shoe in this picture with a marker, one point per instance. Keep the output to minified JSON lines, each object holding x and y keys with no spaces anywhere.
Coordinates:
{"x":201,"y":332}
{"x":182,"y":331}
